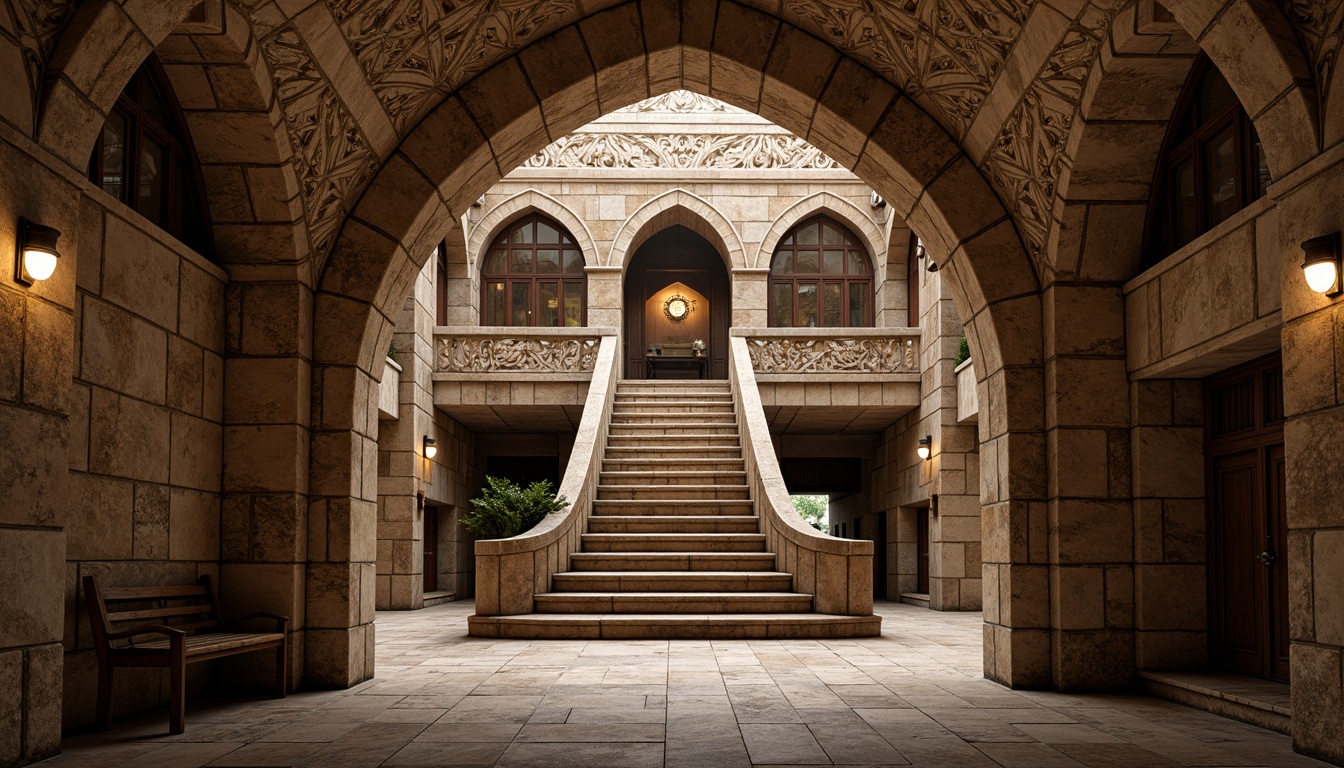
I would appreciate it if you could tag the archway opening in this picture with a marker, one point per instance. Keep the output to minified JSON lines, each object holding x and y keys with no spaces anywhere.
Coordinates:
{"x":677,"y":294}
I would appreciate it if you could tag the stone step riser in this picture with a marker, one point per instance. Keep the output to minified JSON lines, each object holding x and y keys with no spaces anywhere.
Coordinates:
{"x":671,"y":561}
{"x":695,"y":627}
{"x":677,"y":582}
{"x":658,"y":397}
{"x":675,"y":412}
{"x":679,"y":542}
{"x":680,"y":524}
{"x":672,"y":479}
{"x":658,"y":493}
{"x":720,"y":452}
{"x":663,"y":442}
{"x":664,"y":465}
{"x":672,"y":430}
{"x":678,"y":604}
{"x":694,"y":507}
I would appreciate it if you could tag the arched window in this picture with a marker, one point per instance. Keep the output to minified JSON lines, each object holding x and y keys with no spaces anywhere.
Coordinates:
{"x":821,"y":277}
{"x":533,"y":275}
{"x":1211,"y":165}
{"x":144,"y":158}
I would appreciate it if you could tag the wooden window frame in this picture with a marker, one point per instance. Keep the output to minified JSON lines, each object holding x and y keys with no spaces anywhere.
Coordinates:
{"x":1160,"y":236}
{"x":850,"y":282}
{"x":186,"y":215}
{"x":510,"y":278}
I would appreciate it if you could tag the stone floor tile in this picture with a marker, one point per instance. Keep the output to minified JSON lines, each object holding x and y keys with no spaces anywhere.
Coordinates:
{"x":492,"y":709}
{"x":1028,"y":756}
{"x":310,"y":732}
{"x":579,"y":733}
{"x":1054,"y":733}
{"x":771,"y":743}
{"x":1114,"y":756}
{"x":266,"y":754}
{"x":855,"y":744}
{"x":438,"y":754}
{"x":469,"y":732}
{"x":185,"y":755}
{"x":581,"y":756}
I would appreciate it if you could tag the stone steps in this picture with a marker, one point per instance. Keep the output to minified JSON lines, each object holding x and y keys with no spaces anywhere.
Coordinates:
{"x":632,"y":492}
{"x":673,"y":547}
{"x":674,"y":542}
{"x":672,"y":581}
{"x":682,"y":524}
{"x":690,"y":626}
{"x":609,"y":562}
{"x":685,"y":602}
{"x":672,"y":507}
{"x":671,"y":477}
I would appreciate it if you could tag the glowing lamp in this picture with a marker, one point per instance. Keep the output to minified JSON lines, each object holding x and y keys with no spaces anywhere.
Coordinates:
{"x":1320,"y":264}
{"x":431,"y":450}
{"x":925,"y":449}
{"x":37,"y":254}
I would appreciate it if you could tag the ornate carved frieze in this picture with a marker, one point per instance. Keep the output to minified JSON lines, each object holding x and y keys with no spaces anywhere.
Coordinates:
{"x":681,"y":103}
{"x":833,"y":355}
{"x":515,"y":355}
{"x":1320,"y":25}
{"x":681,"y":151}
{"x":414,"y":52}
{"x":1025,"y":164}
{"x":38,"y":24}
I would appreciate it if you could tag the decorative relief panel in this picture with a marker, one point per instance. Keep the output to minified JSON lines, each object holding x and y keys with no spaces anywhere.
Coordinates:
{"x":515,"y":355}
{"x":1320,"y":25}
{"x":681,"y":151}
{"x":39,"y":23}
{"x":414,"y":52}
{"x":682,"y":103}
{"x":1025,"y":164}
{"x":833,"y":355}
{"x":332,"y":158}
{"x":944,"y":54}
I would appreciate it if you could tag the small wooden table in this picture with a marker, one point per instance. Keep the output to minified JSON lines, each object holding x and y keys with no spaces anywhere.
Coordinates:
{"x":676,"y":364}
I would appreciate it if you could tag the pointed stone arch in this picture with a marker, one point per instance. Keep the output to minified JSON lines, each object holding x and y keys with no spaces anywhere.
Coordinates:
{"x":677,"y":206}
{"x":529,"y":201}
{"x":847,"y":213}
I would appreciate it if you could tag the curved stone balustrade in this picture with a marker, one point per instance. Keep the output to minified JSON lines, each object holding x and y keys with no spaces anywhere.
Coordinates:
{"x":837,"y":572}
{"x":509,"y":572}
{"x":831,"y":351}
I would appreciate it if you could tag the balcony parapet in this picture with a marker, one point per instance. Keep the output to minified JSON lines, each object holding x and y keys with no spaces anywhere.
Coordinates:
{"x":834,"y":354}
{"x":485,"y":353}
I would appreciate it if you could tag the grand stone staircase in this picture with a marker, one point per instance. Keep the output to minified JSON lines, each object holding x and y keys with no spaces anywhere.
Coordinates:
{"x":673,"y":547}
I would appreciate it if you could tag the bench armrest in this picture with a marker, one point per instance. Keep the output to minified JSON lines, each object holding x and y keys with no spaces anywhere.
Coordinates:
{"x":148,"y":629}
{"x":281,"y":622}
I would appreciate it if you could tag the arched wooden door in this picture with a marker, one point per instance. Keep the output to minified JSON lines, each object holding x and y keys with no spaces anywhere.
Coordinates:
{"x":674,"y":263}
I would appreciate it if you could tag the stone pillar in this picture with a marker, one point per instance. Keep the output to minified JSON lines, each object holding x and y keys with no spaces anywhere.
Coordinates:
{"x":606,"y":293}
{"x":37,"y":332}
{"x":1313,"y":394}
{"x":1090,"y":512}
{"x":749,"y":289}
{"x":1170,"y":605}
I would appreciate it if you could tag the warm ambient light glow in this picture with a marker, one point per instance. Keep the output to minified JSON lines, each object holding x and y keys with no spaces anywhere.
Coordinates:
{"x":38,"y":264}
{"x":37,"y":252}
{"x":1320,"y":264}
{"x":430,"y":448}
{"x":1321,"y":276}
{"x":925,"y":449}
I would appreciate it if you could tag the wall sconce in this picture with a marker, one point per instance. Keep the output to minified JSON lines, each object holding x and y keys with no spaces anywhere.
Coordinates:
{"x":36,"y":255}
{"x":925,"y":449}
{"x":1320,"y":264}
{"x":431,"y":450}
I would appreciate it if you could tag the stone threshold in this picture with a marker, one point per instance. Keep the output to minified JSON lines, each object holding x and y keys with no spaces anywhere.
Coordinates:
{"x":916,"y":598}
{"x":438,"y":598}
{"x":1263,"y":703}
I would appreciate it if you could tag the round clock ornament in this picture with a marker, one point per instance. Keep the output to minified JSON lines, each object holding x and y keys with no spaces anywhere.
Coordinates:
{"x":678,"y":307}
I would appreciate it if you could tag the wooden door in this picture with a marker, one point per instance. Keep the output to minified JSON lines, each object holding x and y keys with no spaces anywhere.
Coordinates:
{"x":677,"y":255}
{"x":1247,"y":520}
{"x":430,"y":537}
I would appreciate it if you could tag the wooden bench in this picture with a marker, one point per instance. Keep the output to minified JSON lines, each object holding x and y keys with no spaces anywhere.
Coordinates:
{"x":183,"y":628}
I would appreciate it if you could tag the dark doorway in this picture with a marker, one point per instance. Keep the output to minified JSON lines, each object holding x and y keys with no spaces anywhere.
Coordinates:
{"x":525,"y":470}
{"x":430,"y":538}
{"x":922,"y":550}
{"x":676,"y":262}
{"x":1247,"y":520}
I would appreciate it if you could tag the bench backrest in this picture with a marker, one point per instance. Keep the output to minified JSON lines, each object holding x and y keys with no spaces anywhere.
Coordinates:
{"x":189,"y":607}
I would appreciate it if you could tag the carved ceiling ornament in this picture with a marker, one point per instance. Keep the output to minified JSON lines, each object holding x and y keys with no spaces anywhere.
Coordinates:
{"x":682,"y":151}
{"x":681,"y":102}
{"x":38,"y":23}
{"x":1320,"y":25}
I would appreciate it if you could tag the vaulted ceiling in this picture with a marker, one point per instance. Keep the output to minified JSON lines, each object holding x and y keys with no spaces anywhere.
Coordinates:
{"x":353,"y":77}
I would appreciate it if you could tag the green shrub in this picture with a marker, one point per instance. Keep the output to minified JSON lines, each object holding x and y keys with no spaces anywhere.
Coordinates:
{"x":505,"y":509}
{"x":963,"y":351}
{"x":392,"y":352}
